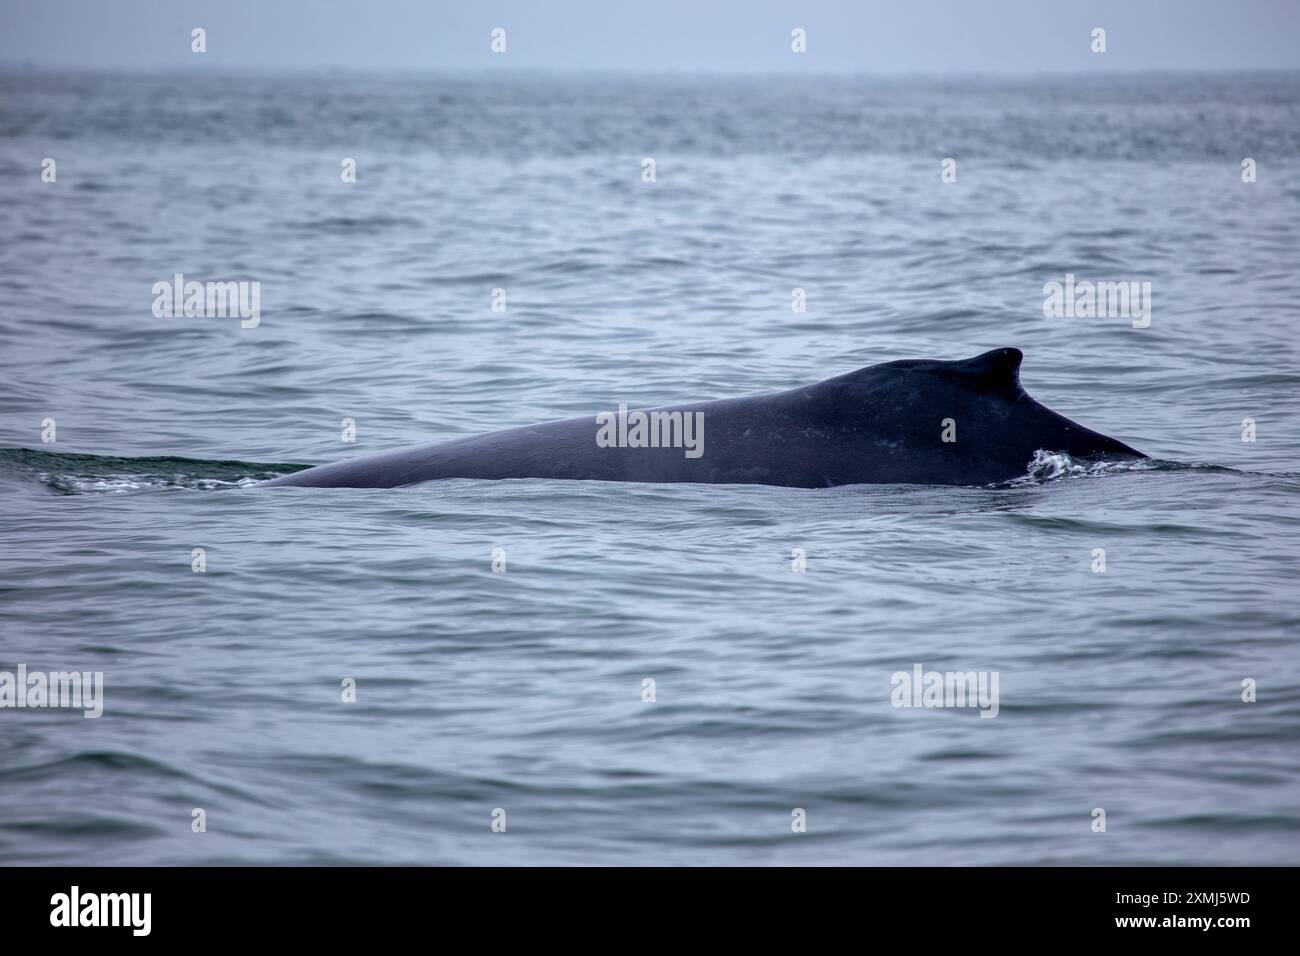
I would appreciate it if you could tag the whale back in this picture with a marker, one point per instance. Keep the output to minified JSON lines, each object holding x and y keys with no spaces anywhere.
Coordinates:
{"x":920,"y":421}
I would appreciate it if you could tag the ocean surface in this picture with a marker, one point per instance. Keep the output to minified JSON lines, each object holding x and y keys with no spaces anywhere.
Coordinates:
{"x":524,"y":690}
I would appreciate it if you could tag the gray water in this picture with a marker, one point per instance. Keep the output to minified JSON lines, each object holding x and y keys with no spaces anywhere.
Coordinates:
{"x":523,"y":689}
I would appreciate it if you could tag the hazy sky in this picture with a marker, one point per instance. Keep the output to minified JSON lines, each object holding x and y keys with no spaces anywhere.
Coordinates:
{"x":900,"y":36}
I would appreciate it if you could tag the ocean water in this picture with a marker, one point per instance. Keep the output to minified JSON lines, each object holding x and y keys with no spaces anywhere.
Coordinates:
{"x":523,"y":690}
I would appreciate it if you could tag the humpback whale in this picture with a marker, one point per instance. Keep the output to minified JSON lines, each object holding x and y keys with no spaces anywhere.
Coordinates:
{"x":919,"y":421}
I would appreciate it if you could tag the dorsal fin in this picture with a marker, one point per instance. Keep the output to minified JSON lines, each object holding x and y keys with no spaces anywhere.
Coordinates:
{"x":997,"y":370}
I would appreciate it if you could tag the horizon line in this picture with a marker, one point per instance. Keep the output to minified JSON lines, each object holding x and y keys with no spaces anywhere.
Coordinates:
{"x":565,"y":71}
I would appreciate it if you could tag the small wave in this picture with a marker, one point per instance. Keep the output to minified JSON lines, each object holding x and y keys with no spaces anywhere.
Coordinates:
{"x":104,"y":474}
{"x":1055,"y":465}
